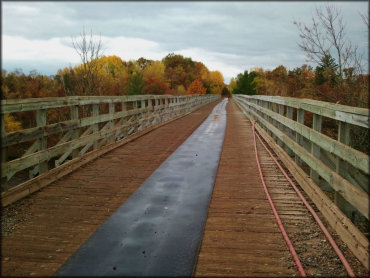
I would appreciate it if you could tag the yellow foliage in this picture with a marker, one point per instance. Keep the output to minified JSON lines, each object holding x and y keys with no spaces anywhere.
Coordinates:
{"x":215,"y":78}
{"x":181,"y":90}
{"x":216,"y":82}
{"x":232,"y":85}
{"x":11,"y":124}
{"x":155,"y":70}
{"x":257,"y":69}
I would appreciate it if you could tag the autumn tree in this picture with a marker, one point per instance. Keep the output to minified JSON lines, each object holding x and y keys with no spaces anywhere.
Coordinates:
{"x":201,"y":71}
{"x":215,"y":82}
{"x":64,"y":77}
{"x":113,"y":76}
{"x":143,"y":63}
{"x":155,"y":69}
{"x":179,"y":70}
{"x":155,"y":86}
{"x":225,"y":92}
{"x":232,"y":85}
{"x":196,"y":88}
{"x":11,"y":124}
{"x":180,"y":90}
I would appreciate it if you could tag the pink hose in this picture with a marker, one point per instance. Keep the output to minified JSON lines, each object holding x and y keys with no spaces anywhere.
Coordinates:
{"x":280,"y":224}
{"x":321,"y":225}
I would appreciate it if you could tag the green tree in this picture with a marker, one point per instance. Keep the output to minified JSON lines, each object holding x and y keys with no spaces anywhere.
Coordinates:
{"x":326,"y":71}
{"x":225,"y":92}
{"x":135,"y":84}
{"x":245,"y":84}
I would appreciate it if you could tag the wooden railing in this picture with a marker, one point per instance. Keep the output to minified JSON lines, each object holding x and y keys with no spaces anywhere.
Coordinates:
{"x":319,"y":162}
{"x":88,"y":127}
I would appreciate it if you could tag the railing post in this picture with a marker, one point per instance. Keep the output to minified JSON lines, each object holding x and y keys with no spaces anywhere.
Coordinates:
{"x":76,"y":132}
{"x":289,"y":115}
{"x":4,"y":185}
{"x":3,"y":133}
{"x":95,"y":112}
{"x":315,"y":150}
{"x":341,"y":167}
{"x":42,"y":141}
{"x":111,"y":123}
{"x":281,"y":126}
{"x":274,"y":108}
{"x":298,"y":138}
{"x":124,"y":106}
{"x":122,"y":133}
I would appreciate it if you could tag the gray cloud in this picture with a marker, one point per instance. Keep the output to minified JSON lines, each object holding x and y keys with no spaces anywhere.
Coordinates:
{"x":259,"y":34}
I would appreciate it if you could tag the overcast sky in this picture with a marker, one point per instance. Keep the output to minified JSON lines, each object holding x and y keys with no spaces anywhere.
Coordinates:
{"x":227,"y":36}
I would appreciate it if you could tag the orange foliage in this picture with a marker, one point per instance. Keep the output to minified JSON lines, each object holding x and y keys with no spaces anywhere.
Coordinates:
{"x":155,"y":87}
{"x":196,"y":88}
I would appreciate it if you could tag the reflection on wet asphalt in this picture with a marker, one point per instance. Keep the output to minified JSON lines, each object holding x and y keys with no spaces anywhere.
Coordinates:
{"x":158,"y":230}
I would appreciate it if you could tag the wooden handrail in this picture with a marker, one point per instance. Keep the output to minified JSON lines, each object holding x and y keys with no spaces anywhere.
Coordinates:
{"x":274,"y":118}
{"x":82,"y":134}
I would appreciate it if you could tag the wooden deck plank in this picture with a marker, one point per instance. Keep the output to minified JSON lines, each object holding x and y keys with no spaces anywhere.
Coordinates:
{"x":241,"y":231}
{"x":67,"y":212}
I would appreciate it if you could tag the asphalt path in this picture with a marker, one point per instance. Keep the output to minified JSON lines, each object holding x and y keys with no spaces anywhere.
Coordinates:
{"x":158,"y":230}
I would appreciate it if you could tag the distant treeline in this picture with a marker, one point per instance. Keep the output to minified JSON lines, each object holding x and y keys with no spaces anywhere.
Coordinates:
{"x":322,"y":83}
{"x":177,"y":75}
{"x":111,"y":76}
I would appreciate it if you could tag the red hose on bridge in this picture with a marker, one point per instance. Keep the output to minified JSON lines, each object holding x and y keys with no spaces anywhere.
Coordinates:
{"x":315,"y":216}
{"x":277,"y":217}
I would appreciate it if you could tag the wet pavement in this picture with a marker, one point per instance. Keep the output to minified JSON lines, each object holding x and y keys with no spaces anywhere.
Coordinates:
{"x":158,"y":230}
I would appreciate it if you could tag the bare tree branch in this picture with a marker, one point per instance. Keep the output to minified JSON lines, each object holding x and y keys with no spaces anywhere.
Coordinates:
{"x":89,"y":50}
{"x":365,"y":19}
{"x":326,"y":35}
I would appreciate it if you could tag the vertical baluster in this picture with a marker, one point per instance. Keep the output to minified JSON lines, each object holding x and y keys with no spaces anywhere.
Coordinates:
{"x":111,"y":122}
{"x":272,"y":120}
{"x":315,"y":150}
{"x":3,"y":133}
{"x":76,"y":132}
{"x":341,"y":167}
{"x":95,"y":112}
{"x":42,"y":140}
{"x":4,"y":185}
{"x":289,"y":115}
{"x":298,"y":138}
{"x":281,"y":126}
{"x":122,"y":121}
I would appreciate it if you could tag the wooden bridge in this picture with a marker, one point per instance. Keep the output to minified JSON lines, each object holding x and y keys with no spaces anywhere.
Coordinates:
{"x":287,"y":193}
